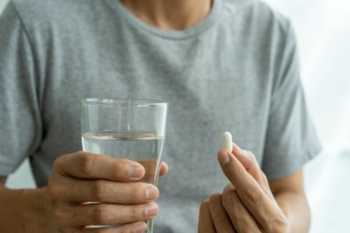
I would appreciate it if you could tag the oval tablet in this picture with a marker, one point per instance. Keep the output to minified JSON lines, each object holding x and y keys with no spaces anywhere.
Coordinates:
{"x":227,"y":145}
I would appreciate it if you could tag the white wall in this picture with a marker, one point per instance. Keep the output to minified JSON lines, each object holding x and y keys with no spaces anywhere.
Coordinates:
{"x":323,"y":32}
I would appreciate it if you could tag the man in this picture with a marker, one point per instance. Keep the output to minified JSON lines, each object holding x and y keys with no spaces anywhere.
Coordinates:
{"x":223,"y":65}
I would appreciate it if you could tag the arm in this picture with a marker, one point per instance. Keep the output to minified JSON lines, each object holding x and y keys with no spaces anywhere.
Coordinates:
{"x":290,"y":196}
{"x":253,"y":204}
{"x":24,"y":210}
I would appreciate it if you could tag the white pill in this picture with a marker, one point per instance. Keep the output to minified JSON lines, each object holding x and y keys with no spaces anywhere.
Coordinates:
{"x":228,"y":144}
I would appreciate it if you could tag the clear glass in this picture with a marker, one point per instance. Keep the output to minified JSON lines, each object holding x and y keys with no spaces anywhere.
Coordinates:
{"x":126,"y":128}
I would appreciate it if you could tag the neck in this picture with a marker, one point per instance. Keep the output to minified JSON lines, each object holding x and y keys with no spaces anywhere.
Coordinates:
{"x":170,"y":14}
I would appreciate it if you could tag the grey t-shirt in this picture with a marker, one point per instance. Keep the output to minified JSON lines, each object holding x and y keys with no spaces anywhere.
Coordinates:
{"x":237,"y":71}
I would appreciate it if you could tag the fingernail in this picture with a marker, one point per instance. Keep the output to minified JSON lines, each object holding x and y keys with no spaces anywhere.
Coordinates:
{"x":151,"y":210}
{"x":227,"y":187}
{"x":227,"y":158}
{"x":135,"y":171}
{"x":150,"y":192}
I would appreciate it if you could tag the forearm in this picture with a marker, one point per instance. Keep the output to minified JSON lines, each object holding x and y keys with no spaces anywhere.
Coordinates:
{"x":25,"y":211}
{"x":296,"y":208}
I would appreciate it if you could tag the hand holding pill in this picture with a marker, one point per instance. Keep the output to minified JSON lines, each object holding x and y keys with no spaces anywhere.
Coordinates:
{"x":248,"y":205}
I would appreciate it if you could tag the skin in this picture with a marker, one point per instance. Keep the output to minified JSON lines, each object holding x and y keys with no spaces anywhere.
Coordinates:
{"x":115,"y":185}
{"x":170,"y":14}
{"x":253,"y":204}
{"x":81,"y":177}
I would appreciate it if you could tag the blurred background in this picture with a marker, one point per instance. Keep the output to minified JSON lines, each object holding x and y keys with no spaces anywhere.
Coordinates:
{"x":323,"y":31}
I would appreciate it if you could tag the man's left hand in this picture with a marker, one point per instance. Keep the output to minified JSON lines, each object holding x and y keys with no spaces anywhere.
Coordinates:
{"x":247,"y":205}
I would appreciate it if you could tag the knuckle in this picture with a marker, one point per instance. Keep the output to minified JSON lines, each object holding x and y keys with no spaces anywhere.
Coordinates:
{"x":100,"y":214}
{"x":60,"y":161}
{"x":251,"y":156}
{"x":136,"y":213}
{"x":54,"y":191}
{"x":137,"y":192}
{"x":252,"y":197}
{"x":99,"y":190}
{"x":59,"y":216}
{"x":87,"y":162}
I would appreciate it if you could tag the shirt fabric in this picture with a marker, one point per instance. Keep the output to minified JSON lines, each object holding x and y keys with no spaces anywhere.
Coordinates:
{"x":235,"y":71}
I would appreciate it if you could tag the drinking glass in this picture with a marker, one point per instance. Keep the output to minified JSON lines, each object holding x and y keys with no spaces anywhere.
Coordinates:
{"x":126,"y":129}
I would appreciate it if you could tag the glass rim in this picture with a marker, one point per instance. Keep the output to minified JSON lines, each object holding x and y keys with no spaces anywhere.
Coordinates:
{"x":120,"y":101}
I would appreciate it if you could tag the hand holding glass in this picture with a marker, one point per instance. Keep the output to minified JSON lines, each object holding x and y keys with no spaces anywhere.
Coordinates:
{"x":126,"y":129}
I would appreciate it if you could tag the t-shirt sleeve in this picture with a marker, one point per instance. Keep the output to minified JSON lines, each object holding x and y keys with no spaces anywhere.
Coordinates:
{"x":20,"y":120}
{"x":291,"y":139}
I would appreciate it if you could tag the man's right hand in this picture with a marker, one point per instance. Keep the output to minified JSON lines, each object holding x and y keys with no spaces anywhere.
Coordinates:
{"x":122,"y":200}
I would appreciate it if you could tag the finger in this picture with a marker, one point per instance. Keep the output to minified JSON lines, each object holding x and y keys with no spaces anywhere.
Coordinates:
{"x":151,"y":169}
{"x":250,"y":163}
{"x":217,"y":212}
{"x":132,"y":227}
{"x":79,"y":191}
{"x":93,"y":166}
{"x":236,"y":172}
{"x":254,"y":198}
{"x":164,"y":169}
{"x":240,"y":217}
{"x":229,"y":187}
{"x":104,"y":214}
{"x":205,"y":224}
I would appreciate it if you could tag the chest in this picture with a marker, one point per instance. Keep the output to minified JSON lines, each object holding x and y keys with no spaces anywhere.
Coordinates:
{"x":209,"y":91}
